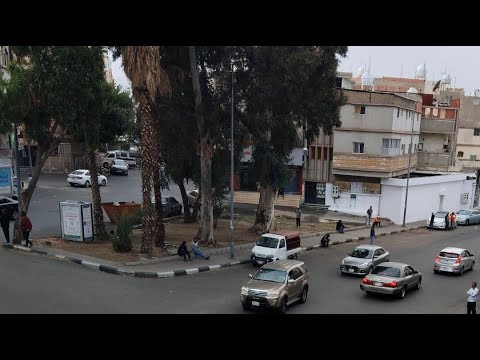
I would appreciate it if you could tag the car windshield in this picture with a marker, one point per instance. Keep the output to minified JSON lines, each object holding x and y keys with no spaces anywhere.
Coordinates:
{"x":272,"y":275}
{"x":361,"y":253}
{"x":464,"y":212}
{"x":386,"y":271}
{"x":449,"y":255}
{"x":440,"y":214}
{"x":76,"y":172}
{"x":119,"y":162}
{"x":267,"y":242}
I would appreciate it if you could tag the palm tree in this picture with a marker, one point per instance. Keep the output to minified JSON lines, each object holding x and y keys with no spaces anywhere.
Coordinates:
{"x":142,"y":66}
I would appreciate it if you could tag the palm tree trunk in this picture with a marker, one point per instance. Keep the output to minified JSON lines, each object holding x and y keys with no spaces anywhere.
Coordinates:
{"x":159,"y":225}
{"x":147,"y":147}
{"x":205,"y":231}
{"x":100,"y":230}
{"x":187,"y":216}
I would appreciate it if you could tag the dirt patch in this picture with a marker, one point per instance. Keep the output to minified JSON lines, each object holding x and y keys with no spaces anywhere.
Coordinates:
{"x":176,"y":231}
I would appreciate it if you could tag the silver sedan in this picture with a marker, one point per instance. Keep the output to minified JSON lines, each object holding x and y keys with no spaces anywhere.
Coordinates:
{"x":363,"y":259}
{"x":392,"y":279}
{"x":454,"y":260}
{"x":468,"y":217}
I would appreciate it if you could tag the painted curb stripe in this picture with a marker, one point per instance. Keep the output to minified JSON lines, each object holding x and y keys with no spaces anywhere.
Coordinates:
{"x":225,"y":265}
{"x":203,"y":268}
{"x":179,"y":272}
{"x":145,"y":274}
{"x":38,"y":252}
{"x":91,"y":265}
{"x":214,"y":267}
{"x":108,"y":269}
{"x":245,"y":261}
{"x":165,"y":274}
{"x":191,"y":271}
{"x":76,"y":261}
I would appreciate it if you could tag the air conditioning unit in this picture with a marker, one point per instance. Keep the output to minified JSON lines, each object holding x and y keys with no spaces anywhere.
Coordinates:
{"x":335,"y":192}
{"x":464,"y":198}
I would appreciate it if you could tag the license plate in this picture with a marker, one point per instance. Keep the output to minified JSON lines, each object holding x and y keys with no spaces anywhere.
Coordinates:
{"x":351,"y":270}
{"x":443,"y":268}
{"x":261,"y":262}
{"x":378,"y":284}
{"x":255,"y":303}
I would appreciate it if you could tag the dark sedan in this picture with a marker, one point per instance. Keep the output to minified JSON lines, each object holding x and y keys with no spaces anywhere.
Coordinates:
{"x":171,"y":206}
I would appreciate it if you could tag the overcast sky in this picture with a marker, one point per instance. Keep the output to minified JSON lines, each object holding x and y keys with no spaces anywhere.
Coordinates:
{"x":461,"y":62}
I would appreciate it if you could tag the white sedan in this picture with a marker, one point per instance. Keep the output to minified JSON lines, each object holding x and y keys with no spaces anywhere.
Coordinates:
{"x":82,"y":177}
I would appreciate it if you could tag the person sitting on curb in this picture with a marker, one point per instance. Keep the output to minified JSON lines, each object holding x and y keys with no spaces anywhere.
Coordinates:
{"x":197,"y":251}
{"x":183,"y":251}
{"x":377,"y":221}
{"x":325,"y":240}
{"x":340,"y":227}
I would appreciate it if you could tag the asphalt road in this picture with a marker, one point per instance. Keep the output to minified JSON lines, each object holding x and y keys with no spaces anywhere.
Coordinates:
{"x":37,"y":284}
{"x":53,"y":189}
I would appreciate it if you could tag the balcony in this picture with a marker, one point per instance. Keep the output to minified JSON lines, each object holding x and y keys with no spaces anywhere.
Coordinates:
{"x":433,"y":161}
{"x":431,"y":125}
{"x":371,"y":165}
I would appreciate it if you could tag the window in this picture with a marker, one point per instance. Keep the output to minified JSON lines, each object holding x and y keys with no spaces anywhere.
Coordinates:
{"x":460,"y":154}
{"x":408,"y":271}
{"x":398,"y":112}
{"x":476,"y":132}
{"x":87,"y":173}
{"x":415,"y":149}
{"x":338,"y":82}
{"x":282,"y":243}
{"x":359,"y":109}
{"x":473,"y":157}
{"x":391,"y":146}
{"x":420,"y":146}
{"x":380,"y":252}
{"x":295,"y":273}
{"x":358,"y":148}
{"x":356,"y":187}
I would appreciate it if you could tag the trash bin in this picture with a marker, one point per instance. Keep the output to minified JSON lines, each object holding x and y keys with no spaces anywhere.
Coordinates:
{"x":76,"y":219}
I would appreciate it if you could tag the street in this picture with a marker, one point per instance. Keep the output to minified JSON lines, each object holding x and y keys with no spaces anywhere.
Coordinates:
{"x":37,"y":284}
{"x":53,"y":189}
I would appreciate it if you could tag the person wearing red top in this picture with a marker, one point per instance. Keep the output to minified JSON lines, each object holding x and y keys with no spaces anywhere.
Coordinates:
{"x":26,"y":226}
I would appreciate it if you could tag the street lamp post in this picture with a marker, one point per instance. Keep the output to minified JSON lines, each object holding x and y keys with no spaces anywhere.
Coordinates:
{"x":408,"y":173}
{"x":232,"y":215}
{"x":16,"y":238}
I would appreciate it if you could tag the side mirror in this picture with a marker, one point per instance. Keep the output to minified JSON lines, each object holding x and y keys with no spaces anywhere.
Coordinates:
{"x":375,"y":257}
{"x":250,"y":276}
{"x":290,"y":281}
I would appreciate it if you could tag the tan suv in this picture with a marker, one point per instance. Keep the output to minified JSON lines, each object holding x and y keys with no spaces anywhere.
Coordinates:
{"x":276,"y":285}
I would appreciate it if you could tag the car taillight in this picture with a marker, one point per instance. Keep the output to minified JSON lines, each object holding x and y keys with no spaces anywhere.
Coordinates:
{"x":368,"y":282}
{"x":392,"y":284}
{"x":437,"y":259}
{"x":459,"y":260}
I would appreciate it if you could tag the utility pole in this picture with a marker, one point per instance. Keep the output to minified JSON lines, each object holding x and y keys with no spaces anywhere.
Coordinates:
{"x":408,"y":174}
{"x":16,"y":238}
{"x":232,"y":215}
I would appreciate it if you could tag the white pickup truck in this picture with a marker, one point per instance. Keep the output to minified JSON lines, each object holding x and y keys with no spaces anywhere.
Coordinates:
{"x":272,"y":247}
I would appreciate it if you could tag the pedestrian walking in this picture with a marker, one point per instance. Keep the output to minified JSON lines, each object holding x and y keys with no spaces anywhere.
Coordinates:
{"x":197,"y":251}
{"x":5,"y":223}
{"x":432,"y":219}
{"x":472,"y":299}
{"x":298,"y":215}
{"x":372,"y":234}
{"x":26,"y":227}
{"x":369,"y":215}
{"x":453,"y":223}
{"x":183,"y":251}
{"x":447,"y":218}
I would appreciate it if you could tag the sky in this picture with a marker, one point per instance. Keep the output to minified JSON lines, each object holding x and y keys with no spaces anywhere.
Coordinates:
{"x":461,"y":62}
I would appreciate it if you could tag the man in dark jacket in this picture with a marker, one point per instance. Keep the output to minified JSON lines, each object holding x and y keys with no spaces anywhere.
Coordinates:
{"x":340,"y":227}
{"x":432,"y":219}
{"x":5,"y":223}
{"x":183,"y":251}
{"x":447,"y":218}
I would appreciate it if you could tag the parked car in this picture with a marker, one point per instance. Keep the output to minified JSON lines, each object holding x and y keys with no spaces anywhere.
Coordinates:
{"x":192,"y":197}
{"x":438,"y":221}
{"x":111,"y":156}
{"x":276,"y":285}
{"x":363,"y":259}
{"x":82,"y":177}
{"x":11,"y":205}
{"x":467,"y":217}
{"x":119,"y":167}
{"x":454,"y":260}
{"x":171,"y":206}
{"x":391,"y":278}
{"x":273,"y":247}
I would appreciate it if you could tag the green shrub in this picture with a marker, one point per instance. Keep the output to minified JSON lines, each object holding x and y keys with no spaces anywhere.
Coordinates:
{"x":122,"y":241}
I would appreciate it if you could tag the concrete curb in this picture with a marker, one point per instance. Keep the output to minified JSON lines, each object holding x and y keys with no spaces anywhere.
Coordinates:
{"x":174,"y":273}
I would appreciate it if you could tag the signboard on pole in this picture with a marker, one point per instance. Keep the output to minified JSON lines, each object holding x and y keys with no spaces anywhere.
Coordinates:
{"x":87,"y":222}
{"x":71,"y":222}
{"x":5,"y":179}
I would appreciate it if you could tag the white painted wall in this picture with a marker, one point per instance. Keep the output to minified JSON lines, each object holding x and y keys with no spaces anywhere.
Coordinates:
{"x":433,"y":142}
{"x":375,"y":117}
{"x":424,"y":196}
{"x":346,"y":204}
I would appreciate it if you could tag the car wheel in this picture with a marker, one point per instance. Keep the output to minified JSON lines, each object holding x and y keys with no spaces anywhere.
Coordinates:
{"x":462,"y":270}
{"x":435,"y":271}
{"x":246,"y":306}
{"x":419,"y":284}
{"x":368,"y":293}
{"x":473,"y":264}
{"x":467,"y":222}
{"x":87,"y":184}
{"x":304,"y":294}
{"x":283,"y":306}
{"x":72,"y":184}
{"x":104,"y":182}
{"x":403,"y":292}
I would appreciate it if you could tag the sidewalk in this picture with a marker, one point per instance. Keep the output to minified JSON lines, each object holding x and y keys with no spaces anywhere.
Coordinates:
{"x":219,"y":258}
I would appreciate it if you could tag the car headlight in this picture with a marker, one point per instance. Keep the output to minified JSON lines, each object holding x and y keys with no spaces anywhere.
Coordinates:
{"x":343,"y":262}
{"x":244,"y":290}
{"x":273,"y":293}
